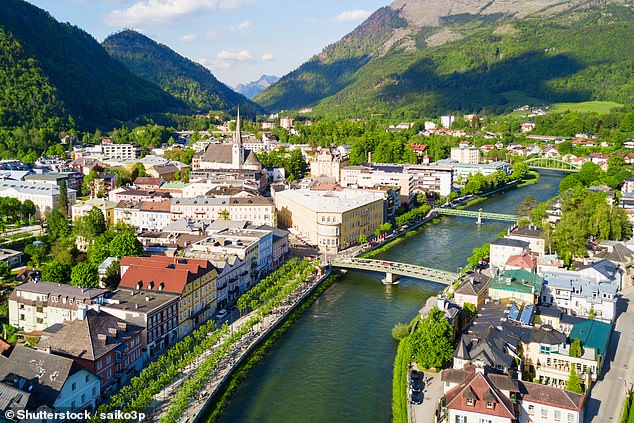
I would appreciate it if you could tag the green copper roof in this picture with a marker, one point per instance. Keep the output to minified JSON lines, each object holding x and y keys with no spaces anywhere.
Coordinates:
{"x":518,"y":281}
{"x":592,"y":334}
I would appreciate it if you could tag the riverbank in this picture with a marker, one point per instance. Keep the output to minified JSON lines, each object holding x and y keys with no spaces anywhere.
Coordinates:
{"x":213,"y":393}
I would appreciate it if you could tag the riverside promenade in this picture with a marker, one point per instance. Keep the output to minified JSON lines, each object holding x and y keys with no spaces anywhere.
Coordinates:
{"x":231,"y":361}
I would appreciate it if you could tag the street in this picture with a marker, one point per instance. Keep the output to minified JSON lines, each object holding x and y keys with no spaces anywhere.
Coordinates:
{"x":607,"y":397}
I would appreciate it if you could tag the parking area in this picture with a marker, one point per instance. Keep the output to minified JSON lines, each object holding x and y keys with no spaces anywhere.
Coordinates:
{"x":432,"y":391}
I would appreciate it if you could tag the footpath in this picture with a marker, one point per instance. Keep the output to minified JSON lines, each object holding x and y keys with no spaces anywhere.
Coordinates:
{"x":240,"y":350}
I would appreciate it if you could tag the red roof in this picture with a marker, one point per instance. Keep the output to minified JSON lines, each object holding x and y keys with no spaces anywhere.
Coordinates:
{"x":480,"y":390}
{"x":523,"y":261}
{"x":419,"y":147}
{"x":169,"y":274}
{"x":148,"y":180}
{"x":161,"y":206}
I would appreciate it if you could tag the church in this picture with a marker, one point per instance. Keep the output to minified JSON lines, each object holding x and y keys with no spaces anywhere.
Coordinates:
{"x":227,"y":156}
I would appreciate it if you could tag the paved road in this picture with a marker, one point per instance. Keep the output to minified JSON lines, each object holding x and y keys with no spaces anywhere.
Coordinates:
{"x":607,"y":396}
{"x":426,"y":411}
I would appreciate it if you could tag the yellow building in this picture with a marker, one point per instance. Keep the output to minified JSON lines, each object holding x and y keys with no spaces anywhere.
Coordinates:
{"x":332,"y":220}
{"x":82,"y":208}
{"x":193,"y":280}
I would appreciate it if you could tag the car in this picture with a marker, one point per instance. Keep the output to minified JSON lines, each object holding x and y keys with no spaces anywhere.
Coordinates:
{"x":386,"y":264}
{"x":417,"y":381}
{"x":222,"y":313}
{"x":417,"y":398}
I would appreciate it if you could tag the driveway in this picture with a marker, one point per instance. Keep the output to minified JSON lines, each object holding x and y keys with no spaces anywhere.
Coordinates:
{"x":425,"y":412}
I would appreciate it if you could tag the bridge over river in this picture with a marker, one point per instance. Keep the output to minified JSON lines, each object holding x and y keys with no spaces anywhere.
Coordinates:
{"x":393,"y":269}
{"x":479,"y":215}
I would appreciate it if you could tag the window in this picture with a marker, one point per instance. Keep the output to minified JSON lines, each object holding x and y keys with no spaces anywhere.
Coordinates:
{"x":99,"y":365}
{"x":571,"y":418}
{"x":489,"y":404}
{"x":94,"y":392}
{"x":109,"y":374}
{"x":531,"y":410}
{"x":108,"y":359}
{"x":469,"y":401}
{"x":557,"y":415}
{"x":544,"y":413}
{"x":83,"y":398}
{"x":484,"y":420}
{"x":87,"y":378}
{"x":73,"y":386}
{"x":461,"y":419}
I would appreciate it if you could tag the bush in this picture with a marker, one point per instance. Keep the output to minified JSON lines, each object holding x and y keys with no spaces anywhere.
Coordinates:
{"x":400,"y":331}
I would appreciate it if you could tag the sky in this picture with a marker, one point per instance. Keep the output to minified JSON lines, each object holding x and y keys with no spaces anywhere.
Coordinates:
{"x":238,"y":40}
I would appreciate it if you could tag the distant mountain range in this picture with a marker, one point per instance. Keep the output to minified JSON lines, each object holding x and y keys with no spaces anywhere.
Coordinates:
{"x":179,"y":76}
{"x":431,"y":57}
{"x":254,"y":88}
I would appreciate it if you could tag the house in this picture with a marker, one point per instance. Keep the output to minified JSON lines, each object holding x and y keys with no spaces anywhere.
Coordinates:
{"x":82,"y":208}
{"x":525,"y":262}
{"x":37,"y":305}
{"x":193,"y":280}
{"x":328,"y":162}
{"x":166,"y":172}
{"x":530,"y":234}
{"x":545,"y":404}
{"x":32,"y":380}
{"x":472,"y":289}
{"x":156,"y":312}
{"x":99,"y":342}
{"x":11,"y":257}
{"x":148,"y":182}
{"x":518,"y":285}
{"x":527,"y":126}
{"x":556,"y":318}
{"x":503,"y":248}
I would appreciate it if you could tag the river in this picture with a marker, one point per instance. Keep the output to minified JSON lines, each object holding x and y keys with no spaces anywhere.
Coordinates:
{"x":335,"y":363}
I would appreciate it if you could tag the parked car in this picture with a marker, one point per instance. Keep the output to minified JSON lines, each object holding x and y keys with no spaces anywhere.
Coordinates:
{"x":417,"y":398}
{"x":222,"y":313}
{"x":417,"y":381}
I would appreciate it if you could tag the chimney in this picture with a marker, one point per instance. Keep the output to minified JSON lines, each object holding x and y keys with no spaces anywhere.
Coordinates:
{"x":147,"y":298}
{"x":370,"y":158}
{"x":112,"y":332}
{"x":102,"y":337}
{"x":48,"y":349}
{"x":81,"y":313}
{"x":122,"y":325}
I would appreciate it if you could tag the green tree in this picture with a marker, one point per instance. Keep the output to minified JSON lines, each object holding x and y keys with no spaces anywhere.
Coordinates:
{"x":574,"y":384}
{"x":400,"y":331}
{"x":575,"y":348}
{"x":57,"y":272}
{"x":84,"y":274}
{"x":526,"y":206}
{"x":363,"y":239}
{"x":479,"y":254}
{"x":37,"y":252}
{"x":224,"y":214}
{"x":113,"y":277}
{"x":432,"y":340}
{"x":99,"y":250}
{"x":520,"y":171}
{"x":27,"y":210}
{"x":87,"y":184}
{"x":5,"y":272}
{"x":91,"y":225}
{"x":63,"y":198}
{"x":57,"y":225}
{"x":125,"y":245}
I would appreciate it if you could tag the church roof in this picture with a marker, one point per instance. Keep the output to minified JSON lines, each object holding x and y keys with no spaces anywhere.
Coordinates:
{"x":218,"y":153}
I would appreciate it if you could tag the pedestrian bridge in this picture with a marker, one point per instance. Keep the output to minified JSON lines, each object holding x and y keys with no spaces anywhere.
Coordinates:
{"x":548,"y":163}
{"x":393,"y":268}
{"x":477,"y":214}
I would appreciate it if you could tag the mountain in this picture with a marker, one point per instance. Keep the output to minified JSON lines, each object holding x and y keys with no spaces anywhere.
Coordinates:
{"x":58,"y":69}
{"x":179,"y":76}
{"x":254,"y":88}
{"x":431,"y":57}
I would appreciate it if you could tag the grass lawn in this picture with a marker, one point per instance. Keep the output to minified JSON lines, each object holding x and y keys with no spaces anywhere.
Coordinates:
{"x":601,"y":107}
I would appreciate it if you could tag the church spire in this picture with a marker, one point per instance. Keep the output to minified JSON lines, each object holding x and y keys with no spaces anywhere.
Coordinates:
{"x":238,"y":135}
{"x":237,"y":151}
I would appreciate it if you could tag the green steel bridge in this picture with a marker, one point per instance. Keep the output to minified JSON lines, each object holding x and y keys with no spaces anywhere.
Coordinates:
{"x":545,"y":163}
{"x":393,"y":269}
{"x":479,"y":215}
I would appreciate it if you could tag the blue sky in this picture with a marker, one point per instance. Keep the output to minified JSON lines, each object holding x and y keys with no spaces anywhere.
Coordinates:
{"x":238,"y":40}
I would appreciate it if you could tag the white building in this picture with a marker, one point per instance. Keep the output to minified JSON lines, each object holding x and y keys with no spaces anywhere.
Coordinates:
{"x":39,"y":305}
{"x":446,"y":121}
{"x":44,"y":196}
{"x":364,"y":177}
{"x":503,"y":248}
{"x":465,"y":155}
{"x":437,"y":179}
{"x":120,"y":151}
{"x":257,"y":210}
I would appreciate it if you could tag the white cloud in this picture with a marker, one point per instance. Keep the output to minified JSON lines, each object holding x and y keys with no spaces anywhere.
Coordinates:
{"x":245,"y":27}
{"x":226,"y":59}
{"x":239,"y":56}
{"x":168,"y":11}
{"x":188,"y":38}
{"x":210,"y":35}
{"x":352,"y":15}
{"x":268,"y":57}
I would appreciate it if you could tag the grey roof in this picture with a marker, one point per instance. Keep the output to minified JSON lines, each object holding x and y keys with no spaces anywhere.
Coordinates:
{"x":331,"y":201}
{"x":461,"y":351}
{"x":31,"y":188}
{"x":186,"y":225}
{"x":620,"y":254}
{"x":550,"y":395}
{"x":254,"y":201}
{"x":64,"y":290}
{"x":473,"y":284}
{"x":546,"y":335}
{"x":128,"y":299}
{"x":12,"y":398}
{"x":605,"y":267}
{"x":221,"y":225}
{"x":80,"y":338}
{"x":580,"y":286}
{"x":507,"y":242}
{"x":6,"y":253}
{"x":549,"y":311}
{"x":527,"y":231}
{"x":41,"y":374}
{"x":454,"y":375}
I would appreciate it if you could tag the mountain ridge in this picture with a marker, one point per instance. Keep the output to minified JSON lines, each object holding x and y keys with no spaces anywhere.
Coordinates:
{"x":253,"y":88}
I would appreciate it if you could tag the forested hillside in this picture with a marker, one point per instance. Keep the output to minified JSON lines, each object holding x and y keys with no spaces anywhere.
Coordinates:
{"x":176,"y":74}
{"x":487,"y":62}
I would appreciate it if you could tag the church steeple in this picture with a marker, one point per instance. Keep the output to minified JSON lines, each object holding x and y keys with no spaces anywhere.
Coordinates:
{"x":237,"y":151}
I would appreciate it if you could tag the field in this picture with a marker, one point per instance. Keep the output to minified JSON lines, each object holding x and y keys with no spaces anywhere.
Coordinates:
{"x":600,"y":107}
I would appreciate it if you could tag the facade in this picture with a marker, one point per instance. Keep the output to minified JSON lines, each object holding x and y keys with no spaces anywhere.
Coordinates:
{"x":328,"y":162}
{"x":82,"y":208}
{"x":256,"y":210}
{"x":44,"y":196}
{"x":145,"y":216}
{"x":99,"y":342}
{"x":436,"y":179}
{"x":530,"y":234}
{"x":156,"y":312}
{"x":32,"y":379}
{"x":472,"y":290}
{"x":193,"y":280}
{"x":120,"y":151}
{"x":333,"y":220}
{"x":463,"y":171}
{"x":465,"y":155}
{"x":379,"y":178}
{"x":503,"y":248}
{"x":39,"y":305}
{"x":135,"y":194}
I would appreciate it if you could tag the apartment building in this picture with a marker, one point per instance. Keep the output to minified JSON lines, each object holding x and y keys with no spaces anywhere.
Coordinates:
{"x":45,"y":196}
{"x":145,"y":216}
{"x":36,"y":305}
{"x":367,"y":177}
{"x":120,"y":151}
{"x":431,"y":178}
{"x":82,"y":209}
{"x":465,"y":155}
{"x":255,"y":210}
{"x":193,"y":280}
{"x":328,"y":162}
{"x":333,"y":220}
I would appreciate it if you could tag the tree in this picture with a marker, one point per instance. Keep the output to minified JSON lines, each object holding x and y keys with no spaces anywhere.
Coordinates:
{"x":87,"y":184}
{"x":479,"y":254}
{"x":99,"y":250}
{"x":91,"y":225}
{"x":591,"y":314}
{"x":112,"y":279}
{"x":37,"y":252}
{"x":363,"y":239}
{"x":526,"y":206}
{"x":5,"y":272}
{"x":400,"y":331}
{"x":469,"y":308}
{"x":432,"y":341}
{"x":520,"y":171}
{"x":57,"y":272}
{"x":224,"y":214}
{"x":63,"y":198}
{"x":125,"y":245}
{"x":575,"y":348}
{"x":574,"y":384}
{"x":386,"y":227}
{"x":27,"y":210}
{"x":57,"y":225}
{"x":84,"y":274}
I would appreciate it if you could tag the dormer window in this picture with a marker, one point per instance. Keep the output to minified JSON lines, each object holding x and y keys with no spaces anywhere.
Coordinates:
{"x":489,"y":404}
{"x":470,"y":401}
